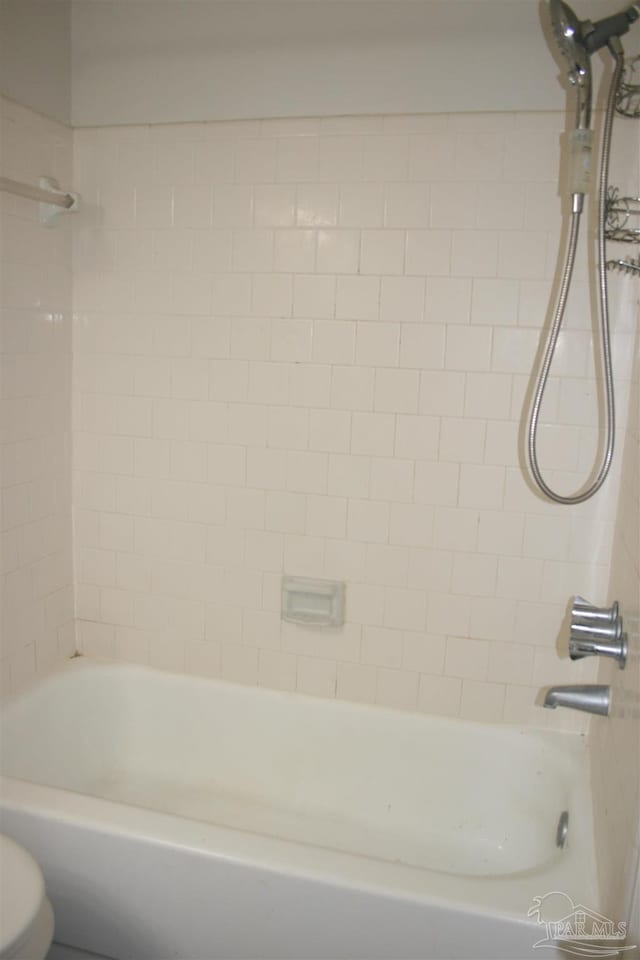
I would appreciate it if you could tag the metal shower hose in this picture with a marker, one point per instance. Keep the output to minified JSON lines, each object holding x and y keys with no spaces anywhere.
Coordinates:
{"x":565,"y":285}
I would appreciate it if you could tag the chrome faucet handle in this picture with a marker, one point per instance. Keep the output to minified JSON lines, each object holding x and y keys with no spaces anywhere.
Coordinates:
{"x":584,"y":612}
{"x":580,"y":647}
{"x":597,"y":631}
{"x":609,"y":632}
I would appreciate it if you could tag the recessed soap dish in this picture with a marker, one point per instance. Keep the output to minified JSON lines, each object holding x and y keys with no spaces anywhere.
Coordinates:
{"x":313,"y":602}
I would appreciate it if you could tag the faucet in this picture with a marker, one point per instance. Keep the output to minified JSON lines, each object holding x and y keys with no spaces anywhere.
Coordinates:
{"x":590,"y":697}
{"x":597,"y":631}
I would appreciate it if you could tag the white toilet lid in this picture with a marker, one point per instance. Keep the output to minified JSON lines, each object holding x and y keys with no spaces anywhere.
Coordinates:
{"x":22,"y":893}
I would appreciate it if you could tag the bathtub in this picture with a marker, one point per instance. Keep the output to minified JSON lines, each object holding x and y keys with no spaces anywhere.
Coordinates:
{"x":183,"y":817}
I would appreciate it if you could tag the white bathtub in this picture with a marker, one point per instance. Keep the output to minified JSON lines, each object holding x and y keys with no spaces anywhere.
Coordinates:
{"x":188,"y":818}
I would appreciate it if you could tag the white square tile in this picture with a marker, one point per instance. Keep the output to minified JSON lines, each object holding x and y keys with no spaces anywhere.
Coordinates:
{"x":250,"y":339}
{"x":493,"y":619}
{"x":368,"y":521}
{"x":373,"y":434}
{"x":474,"y":253}
{"x":462,"y":440}
{"x":306,"y":471}
{"x":338,"y":251}
{"x":309,"y":385}
{"x":392,"y":479}
{"x":411,"y":524}
{"x":406,"y":205}
{"x":423,"y":653}
{"x":286,"y":512}
{"x":468,"y":348}
{"x":481,"y":486}
{"x":333,"y":341}
{"x":266,"y":469}
{"x":440,"y":695}
{"x":417,"y":437}
{"x":361,"y":205}
{"x":326,"y":516}
{"x":230,"y":295}
{"x":442,"y":392}
{"x":357,"y":298}
{"x":317,"y":205}
{"x":228,"y":379}
{"x":297,"y":159}
{"x":511,"y":663}
{"x":268,"y":383}
{"x":255,"y":161}
{"x":405,"y":609}
{"x":402,"y":299}
{"x":214,"y":161}
{"x":252,"y":250}
{"x":330,"y":430}
{"x":232,"y":206}
{"x":377,"y":344}
{"x":315,"y":677}
{"x":277,"y":670}
{"x":352,"y":388}
{"x":272,"y":296}
{"x":291,"y":340}
{"x":448,"y":300}
{"x":349,"y":476}
{"x":274,"y":205}
{"x":288,"y":428}
{"x":314,"y":297}
{"x":428,"y":253}
{"x":436,"y":483}
{"x":303,"y":555}
{"x":494,"y":302}
{"x":455,"y":528}
{"x":295,"y":251}
{"x":482,"y":701}
{"x":387,"y":565}
{"x":192,"y":206}
{"x":431,"y":156}
{"x":422,"y":346}
{"x":396,"y":391}
{"x":341,"y":159}
{"x":474,"y":575}
{"x":356,"y":682}
{"x":382,"y":252}
{"x":500,"y":532}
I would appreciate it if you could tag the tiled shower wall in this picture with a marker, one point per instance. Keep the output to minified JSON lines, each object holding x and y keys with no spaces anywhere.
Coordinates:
{"x":35,"y":459}
{"x":303,"y":347}
{"x":614,"y":742}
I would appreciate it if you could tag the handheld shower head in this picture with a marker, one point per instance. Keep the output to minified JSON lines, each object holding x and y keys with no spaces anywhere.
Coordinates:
{"x":567,"y":30}
{"x":578,"y":39}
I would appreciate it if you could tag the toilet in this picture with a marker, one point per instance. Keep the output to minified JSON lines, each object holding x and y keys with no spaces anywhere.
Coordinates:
{"x":26,"y":917}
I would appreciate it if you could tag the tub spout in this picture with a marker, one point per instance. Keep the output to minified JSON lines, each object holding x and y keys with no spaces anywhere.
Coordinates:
{"x":590,"y":697}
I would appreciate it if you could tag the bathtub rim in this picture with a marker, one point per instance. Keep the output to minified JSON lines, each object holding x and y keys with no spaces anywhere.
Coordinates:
{"x":269,"y":854}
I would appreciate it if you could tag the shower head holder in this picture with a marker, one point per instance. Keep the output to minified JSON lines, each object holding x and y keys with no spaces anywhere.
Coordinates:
{"x":630,"y":267}
{"x":623,"y":217}
{"x":628,"y":99}
{"x":578,"y":39}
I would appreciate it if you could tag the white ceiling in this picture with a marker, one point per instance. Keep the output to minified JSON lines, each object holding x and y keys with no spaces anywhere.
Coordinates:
{"x":133,"y":61}
{"x":144,"y":60}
